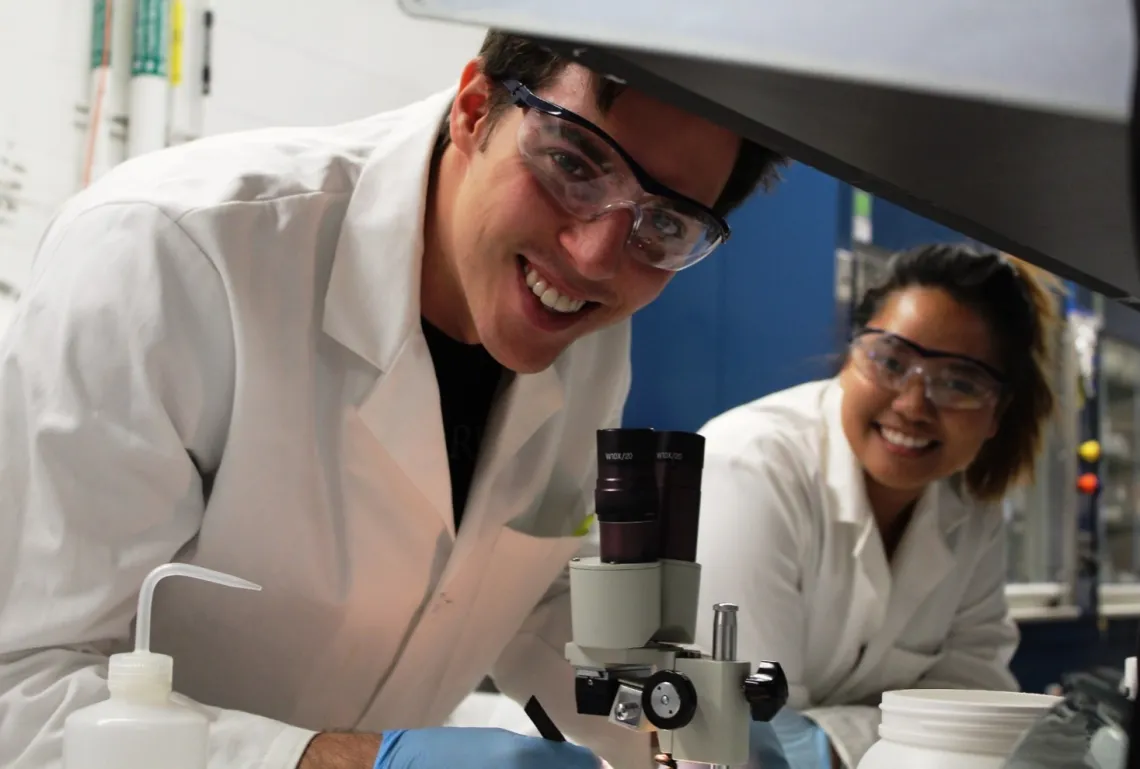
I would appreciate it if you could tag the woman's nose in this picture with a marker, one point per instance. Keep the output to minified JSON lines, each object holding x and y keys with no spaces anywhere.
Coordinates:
{"x":911,"y":400}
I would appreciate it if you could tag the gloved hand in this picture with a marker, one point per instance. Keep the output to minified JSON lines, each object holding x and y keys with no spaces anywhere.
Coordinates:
{"x":451,"y":747}
{"x":789,"y":741}
{"x":764,"y":748}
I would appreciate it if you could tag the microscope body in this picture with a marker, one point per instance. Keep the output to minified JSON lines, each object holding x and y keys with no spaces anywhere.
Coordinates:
{"x":634,"y":612}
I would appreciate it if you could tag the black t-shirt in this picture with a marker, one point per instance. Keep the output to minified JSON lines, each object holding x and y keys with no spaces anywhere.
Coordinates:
{"x":468,"y":379}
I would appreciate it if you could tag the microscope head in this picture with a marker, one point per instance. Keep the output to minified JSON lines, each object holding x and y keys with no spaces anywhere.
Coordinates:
{"x":648,"y":495}
{"x":634,"y":609}
{"x":626,"y":496}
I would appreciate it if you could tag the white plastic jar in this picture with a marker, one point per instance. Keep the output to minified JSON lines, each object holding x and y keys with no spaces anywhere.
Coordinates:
{"x":952,"y":728}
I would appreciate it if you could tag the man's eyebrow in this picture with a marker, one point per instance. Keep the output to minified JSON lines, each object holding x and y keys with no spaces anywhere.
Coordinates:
{"x":594,"y":147}
{"x":588,"y":144}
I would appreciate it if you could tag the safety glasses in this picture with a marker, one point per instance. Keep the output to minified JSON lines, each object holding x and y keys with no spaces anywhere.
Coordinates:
{"x":590,"y":176}
{"x":951,"y":381}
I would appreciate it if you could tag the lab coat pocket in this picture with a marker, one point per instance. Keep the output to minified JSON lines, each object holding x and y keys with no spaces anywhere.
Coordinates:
{"x":902,"y":668}
{"x":521,"y":569}
{"x":539,"y":567}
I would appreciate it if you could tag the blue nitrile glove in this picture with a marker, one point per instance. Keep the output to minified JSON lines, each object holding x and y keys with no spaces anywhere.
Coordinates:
{"x":764,"y":748}
{"x":790,"y":741}
{"x":449,"y":747}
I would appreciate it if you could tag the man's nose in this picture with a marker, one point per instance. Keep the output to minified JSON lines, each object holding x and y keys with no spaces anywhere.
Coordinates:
{"x":597,"y":247}
{"x":911,"y":400}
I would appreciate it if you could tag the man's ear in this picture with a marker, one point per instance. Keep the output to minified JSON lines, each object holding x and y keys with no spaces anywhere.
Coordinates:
{"x":469,"y":112}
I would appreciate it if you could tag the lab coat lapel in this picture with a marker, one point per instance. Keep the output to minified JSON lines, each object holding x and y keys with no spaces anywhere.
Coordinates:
{"x":403,"y":412}
{"x":529,"y":401}
{"x":923,"y":560}
{"x":847,"y":503}
{"x":372,"y":305}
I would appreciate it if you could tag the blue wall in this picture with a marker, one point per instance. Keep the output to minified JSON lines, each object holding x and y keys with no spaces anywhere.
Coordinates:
{"x":757,"y":316}
{"x":895,"y":228}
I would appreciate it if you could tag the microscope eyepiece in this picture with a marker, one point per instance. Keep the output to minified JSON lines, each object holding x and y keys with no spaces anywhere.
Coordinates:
{"x":626,"y":495}
{"x":680,"y":465}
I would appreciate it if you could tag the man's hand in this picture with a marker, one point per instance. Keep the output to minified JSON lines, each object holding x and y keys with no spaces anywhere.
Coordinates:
{"x":337,"y":750}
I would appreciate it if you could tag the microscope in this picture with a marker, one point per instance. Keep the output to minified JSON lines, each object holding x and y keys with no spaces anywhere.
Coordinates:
{"x":634,"y":611}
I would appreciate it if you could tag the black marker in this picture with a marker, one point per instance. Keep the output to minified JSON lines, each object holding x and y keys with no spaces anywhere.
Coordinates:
{"x":542,"y":722}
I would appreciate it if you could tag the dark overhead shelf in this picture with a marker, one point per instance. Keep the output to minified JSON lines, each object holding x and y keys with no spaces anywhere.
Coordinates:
{"x":1007,"y":120}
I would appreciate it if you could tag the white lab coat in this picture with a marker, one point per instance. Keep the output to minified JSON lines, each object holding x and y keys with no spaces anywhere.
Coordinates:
{"x":219,"y":360}
{"x":787,"y":533}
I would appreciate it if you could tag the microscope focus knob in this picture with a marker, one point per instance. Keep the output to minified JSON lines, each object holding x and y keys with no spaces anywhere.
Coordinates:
{"x":669,"y":700}
{"x":766,"y":691}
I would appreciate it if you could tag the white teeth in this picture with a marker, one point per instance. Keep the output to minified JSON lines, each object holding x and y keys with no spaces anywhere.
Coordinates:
{"x":549,"y":296}
{"x":906,"y":441}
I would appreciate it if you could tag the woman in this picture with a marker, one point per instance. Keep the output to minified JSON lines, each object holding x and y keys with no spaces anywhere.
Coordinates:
{"x":857,"y":520}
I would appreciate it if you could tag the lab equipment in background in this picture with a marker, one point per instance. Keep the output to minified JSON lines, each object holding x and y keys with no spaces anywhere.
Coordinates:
{"x":634,"y":610}
{"x":149,"y":72}
{"x":954,"y":728}
{"x":1118,"y":470}
{"x":139,"y":726}
{"x":150,"y":77}
{"x":1088,"y":728}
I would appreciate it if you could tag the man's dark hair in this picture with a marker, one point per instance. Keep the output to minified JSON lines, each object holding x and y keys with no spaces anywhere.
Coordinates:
{"x":506,"y":56}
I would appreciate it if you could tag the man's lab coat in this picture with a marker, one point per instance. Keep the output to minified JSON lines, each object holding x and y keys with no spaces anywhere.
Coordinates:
{"x":219,"y":360}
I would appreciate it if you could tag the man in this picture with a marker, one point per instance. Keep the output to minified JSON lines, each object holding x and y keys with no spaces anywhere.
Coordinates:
{"x":363,"y":368}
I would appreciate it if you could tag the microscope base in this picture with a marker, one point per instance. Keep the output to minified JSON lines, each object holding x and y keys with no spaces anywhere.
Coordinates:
{"x":717,"y":732}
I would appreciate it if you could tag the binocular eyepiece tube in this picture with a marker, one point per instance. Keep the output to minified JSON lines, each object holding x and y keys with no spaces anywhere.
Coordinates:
{"x":648,"y":494}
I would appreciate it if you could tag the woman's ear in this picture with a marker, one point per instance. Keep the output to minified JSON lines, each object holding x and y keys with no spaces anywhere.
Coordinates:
{"x":468,"y":123}
{"x":999,"y":414}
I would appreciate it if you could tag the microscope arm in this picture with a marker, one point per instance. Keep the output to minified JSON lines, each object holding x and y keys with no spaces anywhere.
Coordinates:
{"x":636,"y":668}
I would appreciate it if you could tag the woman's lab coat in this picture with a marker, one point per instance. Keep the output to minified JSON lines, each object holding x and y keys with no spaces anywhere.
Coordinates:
{"x":219,"y":360}
{"x":787,"y":533}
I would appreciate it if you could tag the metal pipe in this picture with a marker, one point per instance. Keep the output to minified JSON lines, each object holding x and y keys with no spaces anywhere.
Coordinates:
{"x":724,"y":632}
{"x":724,"y":640}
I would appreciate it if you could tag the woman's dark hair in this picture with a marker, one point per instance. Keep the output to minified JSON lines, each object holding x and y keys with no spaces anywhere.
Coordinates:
{"x":1019,"y":303}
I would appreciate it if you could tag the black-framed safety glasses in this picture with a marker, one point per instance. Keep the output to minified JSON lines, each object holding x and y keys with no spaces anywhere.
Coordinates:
{"x":951,"y":380}
{"x":590,"y":175}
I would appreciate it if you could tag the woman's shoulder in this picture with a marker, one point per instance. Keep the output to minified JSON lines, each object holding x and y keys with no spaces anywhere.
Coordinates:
{"x":762,"y":477}
{"x":974,"y":528}
{"x":789,"y":422}
{"x":774,"y":448}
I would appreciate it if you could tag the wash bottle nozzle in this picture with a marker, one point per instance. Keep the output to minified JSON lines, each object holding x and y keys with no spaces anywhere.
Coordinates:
{"x":142,"y":671}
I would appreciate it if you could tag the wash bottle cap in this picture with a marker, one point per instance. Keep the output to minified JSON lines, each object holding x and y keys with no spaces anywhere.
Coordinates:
{"x":142,"y":671}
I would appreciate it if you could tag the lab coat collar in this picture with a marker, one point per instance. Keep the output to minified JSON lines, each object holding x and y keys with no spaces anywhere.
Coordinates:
{"x":842,"y":474}
{"x":373,"y":298}
{"x":372,"y":307}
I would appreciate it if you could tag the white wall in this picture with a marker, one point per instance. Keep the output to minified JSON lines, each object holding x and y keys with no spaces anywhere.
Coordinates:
{"x":43,"y":47}
{"x":273,"y":63}
{"x":326,"y":62}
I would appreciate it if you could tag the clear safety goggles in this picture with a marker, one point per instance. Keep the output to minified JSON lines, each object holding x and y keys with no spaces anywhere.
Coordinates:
{"x":951,"y":381}
{"x":590,"y":176}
